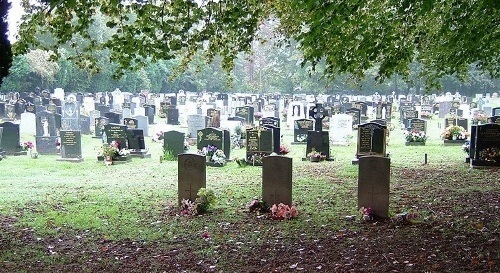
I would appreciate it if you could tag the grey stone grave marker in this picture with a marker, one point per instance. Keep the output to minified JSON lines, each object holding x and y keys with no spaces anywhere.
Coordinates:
{"x":277,"y":180}
{"x":371,"y":140}
{"x":373,"y":184}
{"x":192,"y":176}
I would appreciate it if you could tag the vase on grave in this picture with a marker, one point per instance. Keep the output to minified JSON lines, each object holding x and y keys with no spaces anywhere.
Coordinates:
{"x":108,"y":160}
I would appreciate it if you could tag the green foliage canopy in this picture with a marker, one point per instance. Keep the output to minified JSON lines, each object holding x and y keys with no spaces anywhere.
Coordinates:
{"x":445,"y":37}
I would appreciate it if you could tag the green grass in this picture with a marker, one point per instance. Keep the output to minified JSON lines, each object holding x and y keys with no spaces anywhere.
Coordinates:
{"x":136,"y":200}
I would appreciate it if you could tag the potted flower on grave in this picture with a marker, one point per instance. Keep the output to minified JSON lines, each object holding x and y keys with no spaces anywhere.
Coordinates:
{"x":208,"y":151}
{"x":454,"y":132}
{"x":314,"y":156}
{"x":284,"y":149}
{"x":479,"y":117}
{"x":27,"y":146}
{"x":414,"y":137}
{"x":219,"y":158}
{"x":108,"y":152}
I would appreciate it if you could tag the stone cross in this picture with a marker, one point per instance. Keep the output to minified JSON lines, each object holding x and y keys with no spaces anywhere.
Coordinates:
{"x":318,"y":113}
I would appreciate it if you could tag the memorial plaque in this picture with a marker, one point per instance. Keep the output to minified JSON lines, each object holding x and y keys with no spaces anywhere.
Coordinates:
{"x":371,"y":139}
{"x":71,"y":144}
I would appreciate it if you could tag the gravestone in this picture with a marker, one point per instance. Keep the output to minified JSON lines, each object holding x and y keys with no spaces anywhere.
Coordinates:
{"x":71,"y":146}
{"x":463,"y":122}
{"x":85,"y":125}
{"x":214,"y":137}
{"x":269,"y":121}
{"x":245,"y":112}
{"x":259,"y":144}
{"x":356,"y":116}
{"x":373,"y":184}
{"x":495,"y":111}
{"x":174,"y":142}
{"x":191,"y":177}
{"x":371,"y":140}
{"x":318,"y":139}
{"x":277,"y":180}
{"x":487,"y":146}
{"x":300,"y":129}
{"x":113,"y":117}
{"x":472,"y":144}
{"x":143,"y":123}
{"x":196,"y":123}
{"x":70,"y":114}
{"x":103,"y":109}
{"x":10,"y":138}
{"x":418,"y":125}
{"x":28,"y":123}
{"x":30,"y":108}
{"x":116,"y":132}
{"x":340,"y":129}
{"x":46,"y":133}
{"x":444,"y":108}
{"x":99,"y":124}
{"x":136,"y":143}
{"x":173,"y":116}
{"x":131,"y":123}
{"x":276,"y":137}
{"x":149,"y":111}
{"x":408,"y":115}
{"x":214,"y":114}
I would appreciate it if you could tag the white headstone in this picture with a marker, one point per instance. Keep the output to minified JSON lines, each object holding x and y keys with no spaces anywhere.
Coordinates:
{"x":340,"y":129}
{"x":28,"y":124}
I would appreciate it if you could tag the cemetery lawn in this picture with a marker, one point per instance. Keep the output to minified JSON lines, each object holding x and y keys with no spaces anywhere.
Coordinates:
{"x":86,"y":217}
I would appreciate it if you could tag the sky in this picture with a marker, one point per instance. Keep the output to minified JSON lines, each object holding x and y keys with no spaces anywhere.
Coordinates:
{"x":13,"y":18}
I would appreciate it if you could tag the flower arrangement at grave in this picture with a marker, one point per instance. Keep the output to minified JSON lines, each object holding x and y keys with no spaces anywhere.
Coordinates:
{"x":113,"y":150}
{"x":466,"y":147}
{"x":489,"y":154}
{"x":315,"y":156}
{"x":284,"y":149}
{"x":257,"y":205}
{"x":366,"y":213}
{"x":219,"y":157}
{"x":158,"y":136}
{"x":426,"y":114}
{"x":415,"y":136}
{"x":256,"y":158}
{"x":283,"y":212}
{"x":257,"y":115}
{"x":202,"y":203}
{"x":454,"y":132}
{"x":27,"y":146}
{"x":208,"y":151}
{"x":479,"y":117}
{"x":405,"y":217}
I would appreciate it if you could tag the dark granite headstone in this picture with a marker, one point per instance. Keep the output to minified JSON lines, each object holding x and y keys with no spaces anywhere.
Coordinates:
{"x":356,"y":116}
{"x":71,"y":144}
{"x":173,"y":116}
{"x":214,"y":137}
{"x":10,"y":138}
{"x":371,"y":139}
{"x":245,"y":112}
{"x":149,"y":111}
{"x":487,"y":146}
{"x":320,"y":142}
{"x":113,"y":117}
{"x":135,"y":138}
{"x":192,"y":176}
{"x":259,"y":144}
{"x":174,"y":142}
{"x":301,"y":128}
{"x":99,"y":124}
{"x":46,"y":133}
{"x":277,"y":180}
{"x":463,"y":122}
{"x":116,"y":132}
